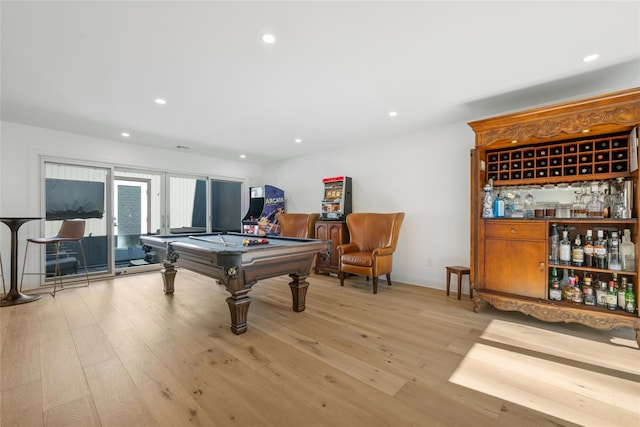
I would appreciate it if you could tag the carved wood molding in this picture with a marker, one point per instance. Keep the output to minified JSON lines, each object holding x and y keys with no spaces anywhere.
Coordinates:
{"x":550,"y":313}
{"x":568,"y":124}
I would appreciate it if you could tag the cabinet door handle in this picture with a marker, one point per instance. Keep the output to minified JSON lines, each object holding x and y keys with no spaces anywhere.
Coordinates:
{"x":513,"y":231}
{"x":542,"y":265}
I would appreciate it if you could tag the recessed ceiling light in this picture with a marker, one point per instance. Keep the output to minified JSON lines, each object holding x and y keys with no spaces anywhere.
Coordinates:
{"x":243,"y":156}
{"x":393,"y":113}
{"x":268,"y":38}
{"x":297,"y":140}
{"x":125,"y":134}
{"x":591,"y":57}
{"x":161,"y":101}
{"x":586,"y":130}
{"x":515,"y":141}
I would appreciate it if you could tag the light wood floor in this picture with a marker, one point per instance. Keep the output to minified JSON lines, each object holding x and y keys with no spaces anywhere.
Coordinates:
{"x":121,"y":353}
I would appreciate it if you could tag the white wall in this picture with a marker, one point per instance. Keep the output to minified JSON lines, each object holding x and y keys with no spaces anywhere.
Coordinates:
{"x":23,"y":146}
{"x":425,"y":175}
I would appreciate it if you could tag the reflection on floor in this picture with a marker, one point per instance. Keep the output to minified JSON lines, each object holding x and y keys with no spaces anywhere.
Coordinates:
{"x":565,"y":376}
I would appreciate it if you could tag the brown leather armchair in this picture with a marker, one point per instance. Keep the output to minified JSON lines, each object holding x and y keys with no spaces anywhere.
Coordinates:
{"x":298,"y":225}
{"x":374,"y":237}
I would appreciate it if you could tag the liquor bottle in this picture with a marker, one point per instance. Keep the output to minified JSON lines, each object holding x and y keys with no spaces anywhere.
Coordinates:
{"x":553,"y":276}
{"x":554,"y":242}
{"x":601,"y":292}
{"x":573,"y":274}
{"x":600,"y":251}
{"x":622,"y":290}
{"x":487,"y":200}
{"x":577,"y":253}
{"x":588,"y":294}
{"x":616,"y":283}
{"x":565,"y":249}
{"x":628,"y":252}
{"x":498,"y":206}
{"x":614,"y":252}
{"x":594,"y":206}
{"x":569,"y":291}
{"x":612,"y":297}
{"x":587,"y":247}
{"x":529,"y":205}
{"x":564,"y":282}
{"x":555,"y":293}
{"x":576,"y":298}
{"x":630,"y":300}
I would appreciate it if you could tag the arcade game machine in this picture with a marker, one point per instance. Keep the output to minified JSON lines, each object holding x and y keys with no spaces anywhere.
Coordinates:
{"x":265,"y":205}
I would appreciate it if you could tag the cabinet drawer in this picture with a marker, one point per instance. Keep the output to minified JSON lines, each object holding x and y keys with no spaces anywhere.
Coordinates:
{"x":517,"y":230}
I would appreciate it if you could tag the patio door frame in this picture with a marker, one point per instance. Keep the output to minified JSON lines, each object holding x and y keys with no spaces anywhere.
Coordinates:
{"x":119,"y":172}
{"x":108,"y":213}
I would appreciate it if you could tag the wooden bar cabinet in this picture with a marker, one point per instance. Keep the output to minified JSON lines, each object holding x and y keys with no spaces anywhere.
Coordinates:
{"x":338,"y":233}
{"x":586,"y":140}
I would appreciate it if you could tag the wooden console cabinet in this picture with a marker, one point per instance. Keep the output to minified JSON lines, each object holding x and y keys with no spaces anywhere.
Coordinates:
{"x":586,"y":140}
{"x":338,"y":233}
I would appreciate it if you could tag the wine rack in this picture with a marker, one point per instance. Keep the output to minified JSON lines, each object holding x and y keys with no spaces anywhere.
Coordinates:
{"x":588,"y":158}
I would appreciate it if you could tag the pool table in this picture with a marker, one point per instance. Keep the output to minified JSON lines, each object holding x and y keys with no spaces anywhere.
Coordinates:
{"x":227,"y":258}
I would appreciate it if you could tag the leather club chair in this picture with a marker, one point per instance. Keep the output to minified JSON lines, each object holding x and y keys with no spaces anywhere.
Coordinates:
{"x":373,"y":240}
{"x":298,"y":225}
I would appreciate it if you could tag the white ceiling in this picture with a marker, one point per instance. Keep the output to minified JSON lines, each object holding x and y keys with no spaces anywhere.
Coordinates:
{"x":334,"y":73}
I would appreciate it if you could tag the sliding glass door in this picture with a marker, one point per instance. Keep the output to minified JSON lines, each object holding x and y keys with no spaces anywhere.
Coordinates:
{"x":154,"y":203}
{"x":76,"y":192}
{"x":226,"y":205}
{"x":121,"y":204}
{"x":138,"y":209}
{"x":187,"y":204}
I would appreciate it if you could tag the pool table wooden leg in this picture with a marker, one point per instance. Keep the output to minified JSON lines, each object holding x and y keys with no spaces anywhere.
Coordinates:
{"x":168,"y":277}
{"x":298,"y":287}
{"x":239,"y":307}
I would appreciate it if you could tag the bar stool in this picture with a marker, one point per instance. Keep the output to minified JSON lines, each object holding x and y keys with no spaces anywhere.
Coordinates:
{"x":70,"y":231}
{"x":460,"y":271}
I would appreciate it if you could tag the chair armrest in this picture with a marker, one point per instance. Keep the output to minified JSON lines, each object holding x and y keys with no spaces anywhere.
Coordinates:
{"x":387,"y":250}
{"x":347,"y":248}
